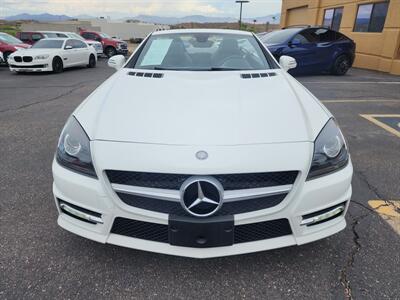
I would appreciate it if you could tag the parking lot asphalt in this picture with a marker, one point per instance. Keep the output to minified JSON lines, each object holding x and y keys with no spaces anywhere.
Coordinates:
{"x":40,"y":260}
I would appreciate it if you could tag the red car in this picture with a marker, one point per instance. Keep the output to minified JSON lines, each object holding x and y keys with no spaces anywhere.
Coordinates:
{"x":111,"y":46}
{"x":30,"y":37}
{"x":10,"y":44}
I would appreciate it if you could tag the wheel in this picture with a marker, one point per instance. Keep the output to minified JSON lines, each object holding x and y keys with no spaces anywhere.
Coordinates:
{"x":5,"y":56}
{"x":110,"y":51}
{"x":92,"y":61}
{"x":58,"y":66}
{"x":342,"y":65}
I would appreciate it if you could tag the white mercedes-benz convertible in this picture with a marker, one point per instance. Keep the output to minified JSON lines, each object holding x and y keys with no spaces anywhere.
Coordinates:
{"x":202,"y":145}
{"x":54,"y":55}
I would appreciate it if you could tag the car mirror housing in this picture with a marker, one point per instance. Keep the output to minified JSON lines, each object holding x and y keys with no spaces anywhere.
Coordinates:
{"x":287,"y":62}
{"x":294,"y":42}
{"x":68,"y":47}
{"x":116,"y":62}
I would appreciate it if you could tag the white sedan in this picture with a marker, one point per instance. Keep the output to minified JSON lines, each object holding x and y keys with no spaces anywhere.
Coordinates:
{"x":54,"y":55}
{"x":202,"y":145}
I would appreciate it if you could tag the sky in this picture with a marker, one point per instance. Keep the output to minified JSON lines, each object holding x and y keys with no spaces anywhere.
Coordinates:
{"x":125,"y":8}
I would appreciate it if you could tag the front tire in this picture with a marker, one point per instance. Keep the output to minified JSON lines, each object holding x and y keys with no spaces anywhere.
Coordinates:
{"x":110,"y":51}
{"x":92,"y":61}
{"x":341,"y":66}
{"x":58,"y":66}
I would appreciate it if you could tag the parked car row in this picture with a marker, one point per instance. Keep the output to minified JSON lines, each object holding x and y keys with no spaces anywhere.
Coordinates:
{"x":32,"y":37}
{"x":41,"y":51}
{"x":102,"y":42}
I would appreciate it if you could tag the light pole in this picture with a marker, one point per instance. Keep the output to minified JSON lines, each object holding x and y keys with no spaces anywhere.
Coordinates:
{"x":241,"y":7}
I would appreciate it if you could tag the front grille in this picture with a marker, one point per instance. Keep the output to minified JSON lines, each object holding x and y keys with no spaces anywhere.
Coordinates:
{"x":29,"y":67}
{"x":242,"y":233}
{"x":124,"y":46}
{"x":175,"y":208}
{"x":27,"y":58}
{"x":18,"y":58}
{"x":228,"y":181}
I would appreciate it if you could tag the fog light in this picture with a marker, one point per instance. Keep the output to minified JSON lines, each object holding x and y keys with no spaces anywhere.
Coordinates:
{"x":325,"y":215}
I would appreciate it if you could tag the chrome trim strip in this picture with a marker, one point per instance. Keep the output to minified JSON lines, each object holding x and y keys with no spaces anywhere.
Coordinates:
{"x":336,"y":211}
{"x":80,"y":214}
{"x":168,"y":195}
{"x":237,"y":195}
{"x":229,"y":196}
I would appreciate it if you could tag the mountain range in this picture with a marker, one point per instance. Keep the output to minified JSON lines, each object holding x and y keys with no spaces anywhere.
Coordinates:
{"x":40,"y":17}
{"x":272,"y":19}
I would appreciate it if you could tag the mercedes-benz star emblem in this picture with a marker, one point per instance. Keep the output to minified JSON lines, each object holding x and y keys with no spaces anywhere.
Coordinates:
{"x":201,"y":155}
{"x":201,"y":196}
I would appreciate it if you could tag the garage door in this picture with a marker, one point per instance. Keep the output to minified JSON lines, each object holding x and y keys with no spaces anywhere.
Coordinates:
{"x":297,"y":16}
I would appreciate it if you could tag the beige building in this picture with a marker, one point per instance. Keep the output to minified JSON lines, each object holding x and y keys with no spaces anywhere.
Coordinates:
{"x":373,"y":24}
{"x":122,"y":30}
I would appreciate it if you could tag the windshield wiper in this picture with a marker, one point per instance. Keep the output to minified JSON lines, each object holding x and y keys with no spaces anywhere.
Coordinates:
{"x":222,"y":69}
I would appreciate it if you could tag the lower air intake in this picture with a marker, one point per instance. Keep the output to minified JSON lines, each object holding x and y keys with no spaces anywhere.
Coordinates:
{"x":242,"y":233}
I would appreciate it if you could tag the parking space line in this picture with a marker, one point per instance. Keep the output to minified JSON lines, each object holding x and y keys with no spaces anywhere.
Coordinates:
{"x":353,"y":82}
{"x":360,"y":101}
{"x":372,"y":118}
{"x":389,"y":211}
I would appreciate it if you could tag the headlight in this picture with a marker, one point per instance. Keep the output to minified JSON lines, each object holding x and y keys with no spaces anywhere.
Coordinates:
{"x":73,"y":151}
{"x":45,"y":56}
{"x":330,"y":151}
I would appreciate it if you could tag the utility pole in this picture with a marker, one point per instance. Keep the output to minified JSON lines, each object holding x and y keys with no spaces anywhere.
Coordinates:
{"x":241,"y":8}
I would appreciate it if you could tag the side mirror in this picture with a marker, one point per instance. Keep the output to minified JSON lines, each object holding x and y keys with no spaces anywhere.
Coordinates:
{"x":116,"y":62}
{"x":98,"y":39}
{"x":287,"y":62}
{"x":294,"y":43}
{"x":69,"y":47}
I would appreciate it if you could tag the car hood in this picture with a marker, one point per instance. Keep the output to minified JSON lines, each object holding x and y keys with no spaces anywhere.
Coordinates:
{"x":33,"y":52}
{"x":24,"y":46}
{"x":202,"y":108}
{"x":114,"y":40}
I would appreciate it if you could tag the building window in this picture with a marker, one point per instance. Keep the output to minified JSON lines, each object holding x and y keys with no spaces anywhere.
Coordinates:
{"x":333,"y":18}
{"x":371,"y":17}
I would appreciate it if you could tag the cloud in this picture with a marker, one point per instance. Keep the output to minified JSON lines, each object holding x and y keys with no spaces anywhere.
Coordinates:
{"x":118,"y":8}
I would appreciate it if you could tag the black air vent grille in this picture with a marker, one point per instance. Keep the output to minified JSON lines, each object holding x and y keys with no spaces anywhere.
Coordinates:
{"x":146,"y":74}
{"x":258,"y":75}
{"x":242,"y":233}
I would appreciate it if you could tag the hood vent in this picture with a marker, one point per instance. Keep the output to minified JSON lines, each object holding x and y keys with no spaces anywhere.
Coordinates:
{"x":258,"y":75}
{"x":146,"y":74}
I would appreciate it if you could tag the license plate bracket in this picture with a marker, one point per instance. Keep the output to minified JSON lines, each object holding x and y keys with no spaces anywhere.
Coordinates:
{"x":201,"y":232}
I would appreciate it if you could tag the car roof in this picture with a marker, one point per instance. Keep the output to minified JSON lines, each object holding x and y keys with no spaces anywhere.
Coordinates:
{"x":221,"y":31}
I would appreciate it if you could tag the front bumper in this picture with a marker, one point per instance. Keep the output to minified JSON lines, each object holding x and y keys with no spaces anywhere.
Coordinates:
{"x":306,"y":198}
{"x":122,"y":51}
{"x":35,"y":66}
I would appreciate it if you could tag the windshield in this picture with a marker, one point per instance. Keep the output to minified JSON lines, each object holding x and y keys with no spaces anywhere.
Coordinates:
{"x":279,"y":36}
{"x":48,"y":44}
{"x":103,"y":35}
{"x":202,"y":52}
{"x":6,"y":38}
